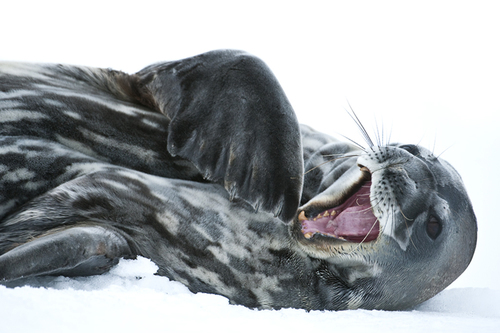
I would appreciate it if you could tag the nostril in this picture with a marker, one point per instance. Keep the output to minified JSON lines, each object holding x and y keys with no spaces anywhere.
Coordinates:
{"x":412,"y":149}
{"x":363,"y":168}
{"x":366,"y":172}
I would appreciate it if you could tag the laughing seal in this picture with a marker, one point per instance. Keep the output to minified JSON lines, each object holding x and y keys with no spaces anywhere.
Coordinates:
{"x":201,"y":166}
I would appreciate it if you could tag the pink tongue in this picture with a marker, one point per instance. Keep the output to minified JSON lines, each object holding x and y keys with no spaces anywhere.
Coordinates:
{"x":355,"y":223}
{"x":353,"y":220}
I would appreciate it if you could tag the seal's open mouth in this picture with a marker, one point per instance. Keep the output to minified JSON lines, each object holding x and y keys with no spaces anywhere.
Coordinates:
{"x":351,"y":221}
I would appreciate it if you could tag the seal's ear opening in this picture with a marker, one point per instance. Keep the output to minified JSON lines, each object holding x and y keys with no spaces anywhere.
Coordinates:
{"x":230,"y":117}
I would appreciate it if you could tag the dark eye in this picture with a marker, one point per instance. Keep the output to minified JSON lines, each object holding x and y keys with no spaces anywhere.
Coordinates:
{"x":434,"y":227}
{"x":412,"y":149}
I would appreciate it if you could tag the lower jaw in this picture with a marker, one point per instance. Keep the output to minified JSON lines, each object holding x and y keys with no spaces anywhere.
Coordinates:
{"x":331,"y":249}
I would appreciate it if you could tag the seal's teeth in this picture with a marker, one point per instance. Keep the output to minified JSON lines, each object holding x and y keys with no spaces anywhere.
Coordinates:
{"x":326,"y":214}
{"x":302,"y":216}
{"x":319,"y":216}
{"x":333,"y":213}
{"x":308,"y":234}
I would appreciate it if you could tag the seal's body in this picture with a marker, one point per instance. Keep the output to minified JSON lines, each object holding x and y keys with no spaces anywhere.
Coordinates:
{"x":198,"y":164}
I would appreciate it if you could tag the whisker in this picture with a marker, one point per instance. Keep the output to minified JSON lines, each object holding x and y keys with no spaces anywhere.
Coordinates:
{"x":422,"y":180}
{"x":407,"y":228}
{"x":379,"y":133}
{"x":341,"y":155}
{"x":330,"y":160}
{"x":365,"y":134}
{"x":366,"y":236}
{"x":393,"y":220}
{"x":390,"y":134}
{"x":421,"y":139}
{"x":380,"y":201}
{"x":368,"y":233}
{"x":434,"y":145}
{"x":406,"y":218}
{"x":354,"y":142}
{"x":444,"y":151}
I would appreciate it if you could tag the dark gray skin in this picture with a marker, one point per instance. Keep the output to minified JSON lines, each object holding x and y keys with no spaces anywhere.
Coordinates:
{"x":198,"y":164}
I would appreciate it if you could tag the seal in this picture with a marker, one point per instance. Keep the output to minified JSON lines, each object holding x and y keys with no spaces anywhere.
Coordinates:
{"x":201,"y":166}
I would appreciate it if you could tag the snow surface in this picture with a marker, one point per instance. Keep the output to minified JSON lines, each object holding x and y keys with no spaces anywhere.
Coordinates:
{"x":131,"y":298}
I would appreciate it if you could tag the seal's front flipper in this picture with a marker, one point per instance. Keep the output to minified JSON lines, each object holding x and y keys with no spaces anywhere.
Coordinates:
{"x":74,"y":251}
{"x":231,"y":118}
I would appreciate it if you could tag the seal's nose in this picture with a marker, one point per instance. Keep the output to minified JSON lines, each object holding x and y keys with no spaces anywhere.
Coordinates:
{"x":412,"y":149}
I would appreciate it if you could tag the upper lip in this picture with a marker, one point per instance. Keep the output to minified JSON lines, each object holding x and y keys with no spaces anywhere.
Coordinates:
{"x":337,"y":193}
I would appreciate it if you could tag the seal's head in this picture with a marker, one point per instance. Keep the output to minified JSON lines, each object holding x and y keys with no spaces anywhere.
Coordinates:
{"x":394,"y":224}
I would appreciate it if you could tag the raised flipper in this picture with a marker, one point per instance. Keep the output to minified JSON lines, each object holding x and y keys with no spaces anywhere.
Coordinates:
{"x":74,"y":251}
{"x":231,"y":118}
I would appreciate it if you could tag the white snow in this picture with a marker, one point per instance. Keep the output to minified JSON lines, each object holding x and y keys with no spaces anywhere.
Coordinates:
{"x":131,"y":298}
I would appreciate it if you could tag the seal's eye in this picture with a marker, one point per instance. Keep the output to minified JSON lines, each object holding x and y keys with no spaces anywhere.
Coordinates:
{"x":412,"y":149}
{"x":434,"y":227}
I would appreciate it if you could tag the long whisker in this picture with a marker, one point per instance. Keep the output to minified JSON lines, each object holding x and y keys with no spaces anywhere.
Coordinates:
{"x":330,"y":160}
{"x":406,"y":218}
{"x":354,"y":142}
{"x":365,"y":134}
{"x":407,"y":228}
{"x":421,"y":139}
{"x":342,"y":155}
{"x":444,"y":151}
{"x":380,"y":201}
{"x":368,"y":233}
{"x":434,"y":144}
{"x":390,"y":134}
{"x":363,"y":240}
{"x":379,"y":133}
{"x":423,"y":180}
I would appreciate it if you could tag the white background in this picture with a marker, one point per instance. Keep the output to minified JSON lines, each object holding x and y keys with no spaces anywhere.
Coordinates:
{"x":426,"y":72}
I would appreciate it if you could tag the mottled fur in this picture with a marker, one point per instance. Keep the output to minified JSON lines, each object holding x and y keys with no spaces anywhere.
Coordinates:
{"x":198,"y":164}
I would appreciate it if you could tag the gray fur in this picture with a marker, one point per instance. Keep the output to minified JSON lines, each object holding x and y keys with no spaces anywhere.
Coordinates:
{"x":198,"y":164}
